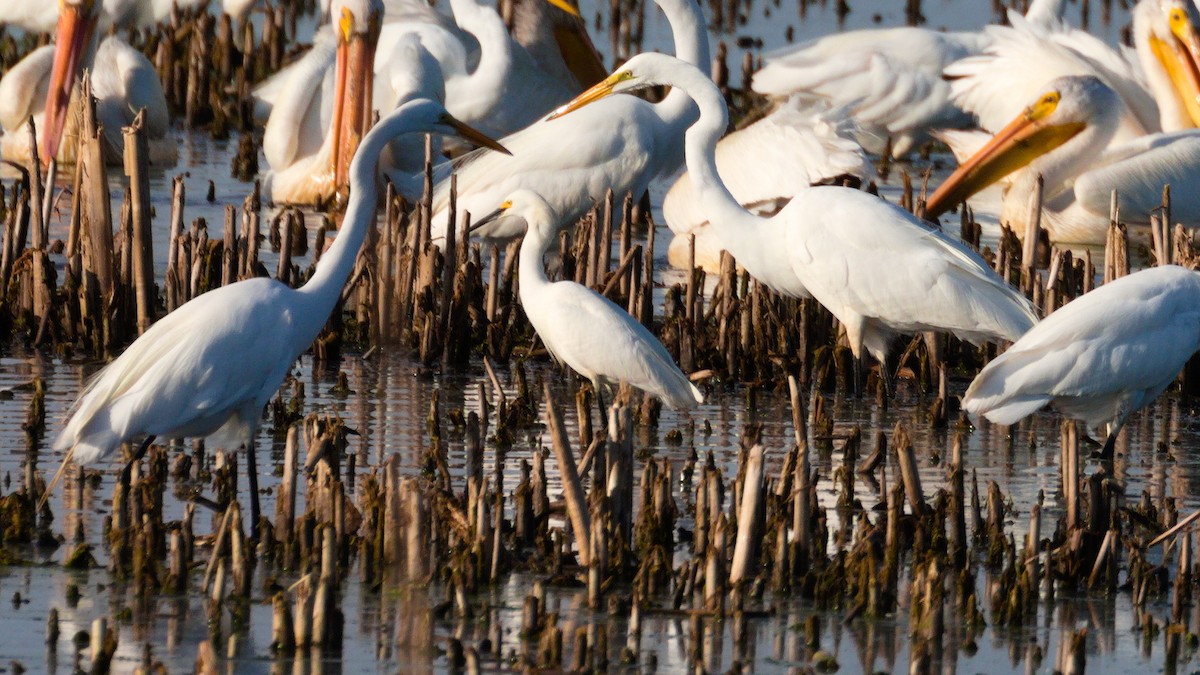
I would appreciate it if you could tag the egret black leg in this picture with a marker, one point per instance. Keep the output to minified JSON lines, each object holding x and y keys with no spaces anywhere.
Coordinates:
{"x":137,"y":457}
{"x":1106,"y":452}
{"x":252,"y":482}
{"x":885,"y":377}
{"x":603,"y":408}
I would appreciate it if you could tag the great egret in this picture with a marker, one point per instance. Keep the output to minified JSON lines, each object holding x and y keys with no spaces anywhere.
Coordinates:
{"x":764,"y":165}
{"x":888,"y":79}
{"x":1100,"y":357}
{"x":573,"y":162}
{"x":1062,"y":137}
{"x":874,"y":266}
{"x":210,"y":366}
{"x":309,"y":161}
{"x":123,"y":82}
{"x":582,"y":328}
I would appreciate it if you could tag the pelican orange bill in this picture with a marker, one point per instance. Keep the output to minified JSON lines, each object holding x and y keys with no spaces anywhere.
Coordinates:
{"x":1013,"y":147}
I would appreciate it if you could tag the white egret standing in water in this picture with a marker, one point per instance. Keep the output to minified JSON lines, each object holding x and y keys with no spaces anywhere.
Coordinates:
{"x":210,"y":366}
{"x":874,"y":266}
{"x":1100,"y":357}
{"x":582,"y":328}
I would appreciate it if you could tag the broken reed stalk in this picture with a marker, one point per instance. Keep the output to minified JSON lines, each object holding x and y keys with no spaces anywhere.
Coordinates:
{"x":572,"y":489}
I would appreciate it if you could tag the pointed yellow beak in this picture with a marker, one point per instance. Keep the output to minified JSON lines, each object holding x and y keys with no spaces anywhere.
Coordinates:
{"x":1016,"y":145}
{"x":601,"y":89}
{"x":566,"y":6}
{"x":76,"y":23}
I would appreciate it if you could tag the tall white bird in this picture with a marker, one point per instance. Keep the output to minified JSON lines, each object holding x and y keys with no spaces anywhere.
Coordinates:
{"x":1062,"y":136}
{"x":572,"y":162}
{"x":889,"y":79}
{"x":874,"y":266}
{"x":764,"y":165}
{"x":210,"y":366}
{"x":1099,"y":358}
{"x":582,"y":328}
{"x":310,"y":157}
{"x":43,"y":83}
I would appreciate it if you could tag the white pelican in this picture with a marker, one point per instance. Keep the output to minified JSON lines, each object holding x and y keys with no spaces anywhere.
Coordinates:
{"x":1100,"y":357}
{"x":490,"y":81}
{"x":43,"y":83}
{"x":582,"y":328}
{"x":764,"y":165}
{"x":874,"y":266}
{"x":309,"y":158}
{"x":1158,"y":89}
{"x":210,"y":366}
{"x":1062,"y":136}
{"x":889,"y":79}
{"x":572,"y":162}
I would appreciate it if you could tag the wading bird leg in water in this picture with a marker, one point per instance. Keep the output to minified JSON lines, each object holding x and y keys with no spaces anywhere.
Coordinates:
{"x":252,"y":485}
{"x":1105,"y":454}
{"x":599,"y":391}
{"x":137,"y":457}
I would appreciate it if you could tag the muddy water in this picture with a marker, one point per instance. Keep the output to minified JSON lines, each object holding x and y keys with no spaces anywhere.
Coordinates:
{"x":388,"y":403}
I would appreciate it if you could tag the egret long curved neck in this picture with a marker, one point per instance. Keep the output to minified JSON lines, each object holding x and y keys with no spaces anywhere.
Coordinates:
{"x":532,"y":271}
{"x":725,"y":215}
{"x":495,"y":52}
{"x":325,"y":285}
{"x":691,"y":46}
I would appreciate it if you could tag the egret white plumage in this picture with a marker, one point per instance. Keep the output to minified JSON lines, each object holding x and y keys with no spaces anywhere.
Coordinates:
{"x":310,"y":159}
{"x":1062,"y":136}
{"x":210,"y":366}
{"x":42,"y":85}
{"x":1100,"y":357}
{"x":836,"y":244}
{"x":582,"y":328}
{"x":764,"y":165}
{"x":572,"y":162}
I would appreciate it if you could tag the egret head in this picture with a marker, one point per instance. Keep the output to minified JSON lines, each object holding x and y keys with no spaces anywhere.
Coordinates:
{"x":1057,"y":117}
{"x":529,"y":206}
{"x":640,"y":72}
{"x":1170,"y":47}
{"x":419,"y":116}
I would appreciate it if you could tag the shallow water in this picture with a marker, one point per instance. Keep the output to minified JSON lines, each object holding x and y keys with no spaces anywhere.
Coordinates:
{"x":388,"y":404}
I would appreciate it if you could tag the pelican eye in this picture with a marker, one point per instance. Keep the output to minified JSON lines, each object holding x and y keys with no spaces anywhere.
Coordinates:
{"x":1044,"y":106}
